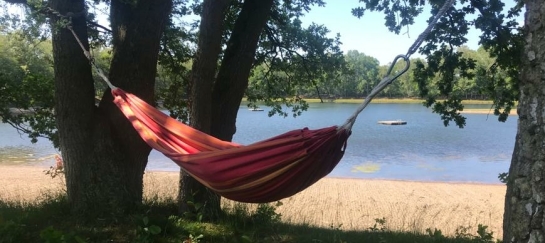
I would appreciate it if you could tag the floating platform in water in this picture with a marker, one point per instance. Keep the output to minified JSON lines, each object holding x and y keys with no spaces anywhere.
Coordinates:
{"x":396,"y":122}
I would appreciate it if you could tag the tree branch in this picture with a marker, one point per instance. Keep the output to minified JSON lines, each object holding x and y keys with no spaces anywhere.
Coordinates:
{"x":99,"y":26}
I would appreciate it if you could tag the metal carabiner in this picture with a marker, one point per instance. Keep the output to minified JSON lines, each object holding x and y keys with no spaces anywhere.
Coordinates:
{"x":396,"y":59}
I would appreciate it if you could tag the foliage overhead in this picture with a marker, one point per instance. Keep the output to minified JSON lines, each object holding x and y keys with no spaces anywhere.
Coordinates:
{"x":26,"y":85}
{"x":293,"y":58}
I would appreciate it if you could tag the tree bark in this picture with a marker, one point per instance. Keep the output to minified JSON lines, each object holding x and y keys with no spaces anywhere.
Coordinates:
{"x":74,"y":107}
{"x":104,"y":156}
{"x":524,"y":201}
{"x":215,"y":104}
{"x":235,"y":68}
{"x":203,"y":74}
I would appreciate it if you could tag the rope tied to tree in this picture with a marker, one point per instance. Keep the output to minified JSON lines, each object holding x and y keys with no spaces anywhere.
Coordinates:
{"x":68,"y":25}
{"x":388,"y":79}
{"x":92,"y":60}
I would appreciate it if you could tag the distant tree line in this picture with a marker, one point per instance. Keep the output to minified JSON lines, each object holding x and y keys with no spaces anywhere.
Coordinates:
{"x":359,"y":73}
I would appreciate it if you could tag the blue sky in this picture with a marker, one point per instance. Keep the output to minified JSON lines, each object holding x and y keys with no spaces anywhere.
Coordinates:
{"x":369,"y":34}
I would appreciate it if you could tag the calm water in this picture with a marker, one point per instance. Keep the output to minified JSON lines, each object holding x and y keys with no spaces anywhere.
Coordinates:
{"x":421,"y":150}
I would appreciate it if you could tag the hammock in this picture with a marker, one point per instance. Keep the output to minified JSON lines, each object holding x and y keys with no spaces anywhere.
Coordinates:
{"x":265,"y":171}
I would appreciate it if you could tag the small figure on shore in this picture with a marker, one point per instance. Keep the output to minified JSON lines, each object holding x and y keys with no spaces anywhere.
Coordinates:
{"x":59,"y":165}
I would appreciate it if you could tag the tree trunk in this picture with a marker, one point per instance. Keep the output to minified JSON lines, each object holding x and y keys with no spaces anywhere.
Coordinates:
{"x":235,"y":67}
{"x":203,"y":74}
{"x":104,"y":156}
{"x":74,"y":107}
{"x":524,"y":202}
{"x":215,"y":104}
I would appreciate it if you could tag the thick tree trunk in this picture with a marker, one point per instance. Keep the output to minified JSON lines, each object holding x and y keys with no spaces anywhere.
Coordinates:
{"x":104,"y":156}
{"x":203,"y":75}
{"x":216,"y":111}
{"x":74,"y":107}
{"x":524,"y":202}
{"x":235,"y":68}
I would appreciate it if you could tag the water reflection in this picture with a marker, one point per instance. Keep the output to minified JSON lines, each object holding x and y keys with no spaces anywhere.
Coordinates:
{"x":367,"y":167}
{"x":24,"y":155}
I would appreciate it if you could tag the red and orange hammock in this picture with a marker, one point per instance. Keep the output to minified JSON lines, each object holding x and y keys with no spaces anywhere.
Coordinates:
{"x":265,"y":171}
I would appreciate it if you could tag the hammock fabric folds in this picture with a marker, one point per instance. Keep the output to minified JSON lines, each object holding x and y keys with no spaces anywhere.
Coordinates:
{"x":265,"y":171}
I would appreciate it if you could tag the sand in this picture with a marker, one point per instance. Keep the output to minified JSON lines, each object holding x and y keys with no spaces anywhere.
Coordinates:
{"x":513,"y":112}
{"x":348,"y":204}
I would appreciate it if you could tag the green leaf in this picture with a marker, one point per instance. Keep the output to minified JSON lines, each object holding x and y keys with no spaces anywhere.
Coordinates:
{"x":154,"y":229}
{"x":246,"y":238}
{"x":145,"y":220}
{"x":79,"y":239}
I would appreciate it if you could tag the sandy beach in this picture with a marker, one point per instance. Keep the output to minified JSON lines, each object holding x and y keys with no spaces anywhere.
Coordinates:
{"x":513,"y":112}
{"x":348,"y":204}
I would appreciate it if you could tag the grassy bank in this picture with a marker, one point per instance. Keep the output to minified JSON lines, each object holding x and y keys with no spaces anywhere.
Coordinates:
{"x":394,"y":101}
{"x":389,"y":101}
{"x":413,"y":101}
{"x":485,"y":111}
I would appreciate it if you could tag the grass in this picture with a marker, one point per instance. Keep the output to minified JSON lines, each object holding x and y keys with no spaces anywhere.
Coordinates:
{"x":49,"y":220}
{"x":376,"y":100}
{"x":33,"y":208}
{"x":395,"y":101}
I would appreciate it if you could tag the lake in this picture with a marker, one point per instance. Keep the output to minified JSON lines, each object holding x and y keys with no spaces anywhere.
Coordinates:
{"x":422,"y":150}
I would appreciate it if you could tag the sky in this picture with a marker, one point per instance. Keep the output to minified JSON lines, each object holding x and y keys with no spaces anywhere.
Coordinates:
{"x":369,"y":34}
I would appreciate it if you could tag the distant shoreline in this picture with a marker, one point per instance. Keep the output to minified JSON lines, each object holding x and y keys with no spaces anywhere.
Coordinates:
{"x":392,"y":101}
{"x":412,"y":101}
{"x":385,"y":101}
{"x":485,"y":111}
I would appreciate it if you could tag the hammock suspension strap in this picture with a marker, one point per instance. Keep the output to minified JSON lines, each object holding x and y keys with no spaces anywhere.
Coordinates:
{"x":388,"y":79}
{"x":92,"y":60}
{"x":68,"y":25}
